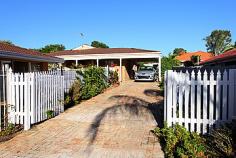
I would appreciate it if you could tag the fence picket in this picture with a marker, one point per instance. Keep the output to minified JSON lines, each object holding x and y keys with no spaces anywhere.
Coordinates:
{"x":169,"y":97}
{"x":186,"y":96}
{"x":192,"y":101}
{"x":211,"y":99}
{"x":224,"y":105}
{"x":218,"y":90}
{"x":198,"y":101}
{"x":204,"y":120}
{"x":180,"y":96}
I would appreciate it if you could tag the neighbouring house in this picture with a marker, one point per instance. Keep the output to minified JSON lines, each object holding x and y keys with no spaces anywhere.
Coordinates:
{"x":186,"y":58}
{"x":84,"y":46}
{"x":24,"y":60}
{"x":121,"y":60}
{"x":226,"y":59}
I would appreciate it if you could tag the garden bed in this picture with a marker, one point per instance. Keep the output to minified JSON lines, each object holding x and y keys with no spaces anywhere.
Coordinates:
{"x":176,"y":141}
{"x":10,"y":132}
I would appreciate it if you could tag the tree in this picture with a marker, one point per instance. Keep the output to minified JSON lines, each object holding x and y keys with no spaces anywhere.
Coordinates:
{"x":6,"y":42}
{"x":229,"y":47}
{"x":177,"y":51}
{"x":98,"y":44}
{"x":218,"y":41}
{"x":168,"y":62}
{"x":52,"y":48}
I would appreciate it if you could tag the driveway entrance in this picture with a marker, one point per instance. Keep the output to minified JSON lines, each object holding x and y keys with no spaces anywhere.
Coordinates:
{"x":113,"y":124}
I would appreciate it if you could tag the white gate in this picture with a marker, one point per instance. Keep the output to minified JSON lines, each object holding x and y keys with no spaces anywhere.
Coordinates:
{"x":199,"y":101}
{"x":31,"y":95}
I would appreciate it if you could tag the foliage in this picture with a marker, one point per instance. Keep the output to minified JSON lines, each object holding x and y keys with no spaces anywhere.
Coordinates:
{"x":220,"y":141}
{"x":52,"y":48}
{"x":6,"y":42}
{"x":217,"y":41}
{"x":167,"y":63}
{"x":178,"y":142}
{"x":49,"y":113}
{"x":98,"y":44}
{"x":195,"y":58}
{"x":113,"y":77}
{"x":229,"y":47}
{"x":177,"y":51}
{"x":94,"y":82}
{"x":74,"y":95}
{"x":161,"y":85}
{"x":9,"y":130}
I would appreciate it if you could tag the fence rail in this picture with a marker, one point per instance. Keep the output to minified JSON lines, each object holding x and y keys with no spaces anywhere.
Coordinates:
{"x":199,"y":100}
{"x":31,"y":95}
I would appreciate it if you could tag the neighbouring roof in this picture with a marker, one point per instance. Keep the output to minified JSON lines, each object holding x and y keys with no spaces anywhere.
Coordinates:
{"x":187,"y":56}
{"x":101,"y":51}
{"x":227,"y":56}
{"x":84,"y":46}
{"x":15,"y":52}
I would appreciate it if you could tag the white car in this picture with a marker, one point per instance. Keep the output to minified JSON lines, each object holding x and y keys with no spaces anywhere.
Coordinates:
{"x":146,"y":73}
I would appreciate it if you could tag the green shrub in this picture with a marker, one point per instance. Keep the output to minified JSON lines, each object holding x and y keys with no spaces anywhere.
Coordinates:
{"x":113,"y":77}
{"x":9,"y":130}
{"x":220,"y":141}
{"x":94,"y":82}
{"x":74,"y":95}
{"x":178,"y":142}
{"x":49,"y":114}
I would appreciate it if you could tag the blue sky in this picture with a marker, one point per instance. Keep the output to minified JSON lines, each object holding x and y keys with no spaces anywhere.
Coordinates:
{"x":149,"y":24}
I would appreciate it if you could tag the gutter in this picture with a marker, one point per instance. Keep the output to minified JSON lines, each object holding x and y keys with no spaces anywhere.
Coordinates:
{"x":8,"y":54}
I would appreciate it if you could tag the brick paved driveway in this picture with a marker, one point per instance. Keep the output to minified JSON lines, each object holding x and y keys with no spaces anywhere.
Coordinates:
{"x":113,"y":124}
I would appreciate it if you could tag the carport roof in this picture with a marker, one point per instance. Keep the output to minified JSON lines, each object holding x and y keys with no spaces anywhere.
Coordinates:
{"x":102,"y":51}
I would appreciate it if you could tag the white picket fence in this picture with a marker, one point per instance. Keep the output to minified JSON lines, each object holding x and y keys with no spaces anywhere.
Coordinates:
{"x":31,"y":95}
{"x":199,"y":101}
{"x":69,"y":76}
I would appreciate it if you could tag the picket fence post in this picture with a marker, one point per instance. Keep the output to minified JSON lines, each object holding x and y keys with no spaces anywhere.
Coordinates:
{"x":27,"y":95}
{"x":169,"y":97}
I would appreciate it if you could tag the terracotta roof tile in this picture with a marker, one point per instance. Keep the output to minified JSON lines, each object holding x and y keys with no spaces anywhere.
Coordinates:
{"x":187,"y":56}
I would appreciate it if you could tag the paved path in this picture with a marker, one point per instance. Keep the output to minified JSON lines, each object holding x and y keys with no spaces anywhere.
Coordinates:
{"x":113,"y":124}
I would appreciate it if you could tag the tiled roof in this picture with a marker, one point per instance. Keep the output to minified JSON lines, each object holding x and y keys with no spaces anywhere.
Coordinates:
{"x":12,"y":51}
{"x":187,"y":56}
{"x":229,"y":55}
{"x":101,"y":51}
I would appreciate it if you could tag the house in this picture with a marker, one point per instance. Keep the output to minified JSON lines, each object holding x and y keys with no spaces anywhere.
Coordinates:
{"x":186,"y":57}
{"x":24,"y":60}
{"x":120,"y":59}
{"x":226,"y":59}
{"x":84,"y":46}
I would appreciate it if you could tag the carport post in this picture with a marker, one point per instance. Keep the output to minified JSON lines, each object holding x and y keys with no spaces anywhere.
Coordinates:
{"x":159,"y":68}
{"x":120,"y":70}
{"x":97,"y":62}
{"x":76,"y":63}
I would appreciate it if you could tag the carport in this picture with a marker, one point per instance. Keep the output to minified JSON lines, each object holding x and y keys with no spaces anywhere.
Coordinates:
{"x":122,"y":59}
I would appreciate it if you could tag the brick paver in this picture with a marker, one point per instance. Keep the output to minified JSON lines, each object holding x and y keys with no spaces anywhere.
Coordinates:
{"x":113,"y":124}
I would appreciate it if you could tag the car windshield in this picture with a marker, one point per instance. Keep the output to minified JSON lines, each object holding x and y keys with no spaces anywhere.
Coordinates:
{"x":146,"y":68}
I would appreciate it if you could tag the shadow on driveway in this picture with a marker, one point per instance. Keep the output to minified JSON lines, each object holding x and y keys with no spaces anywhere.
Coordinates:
{"x":126,"y":105}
